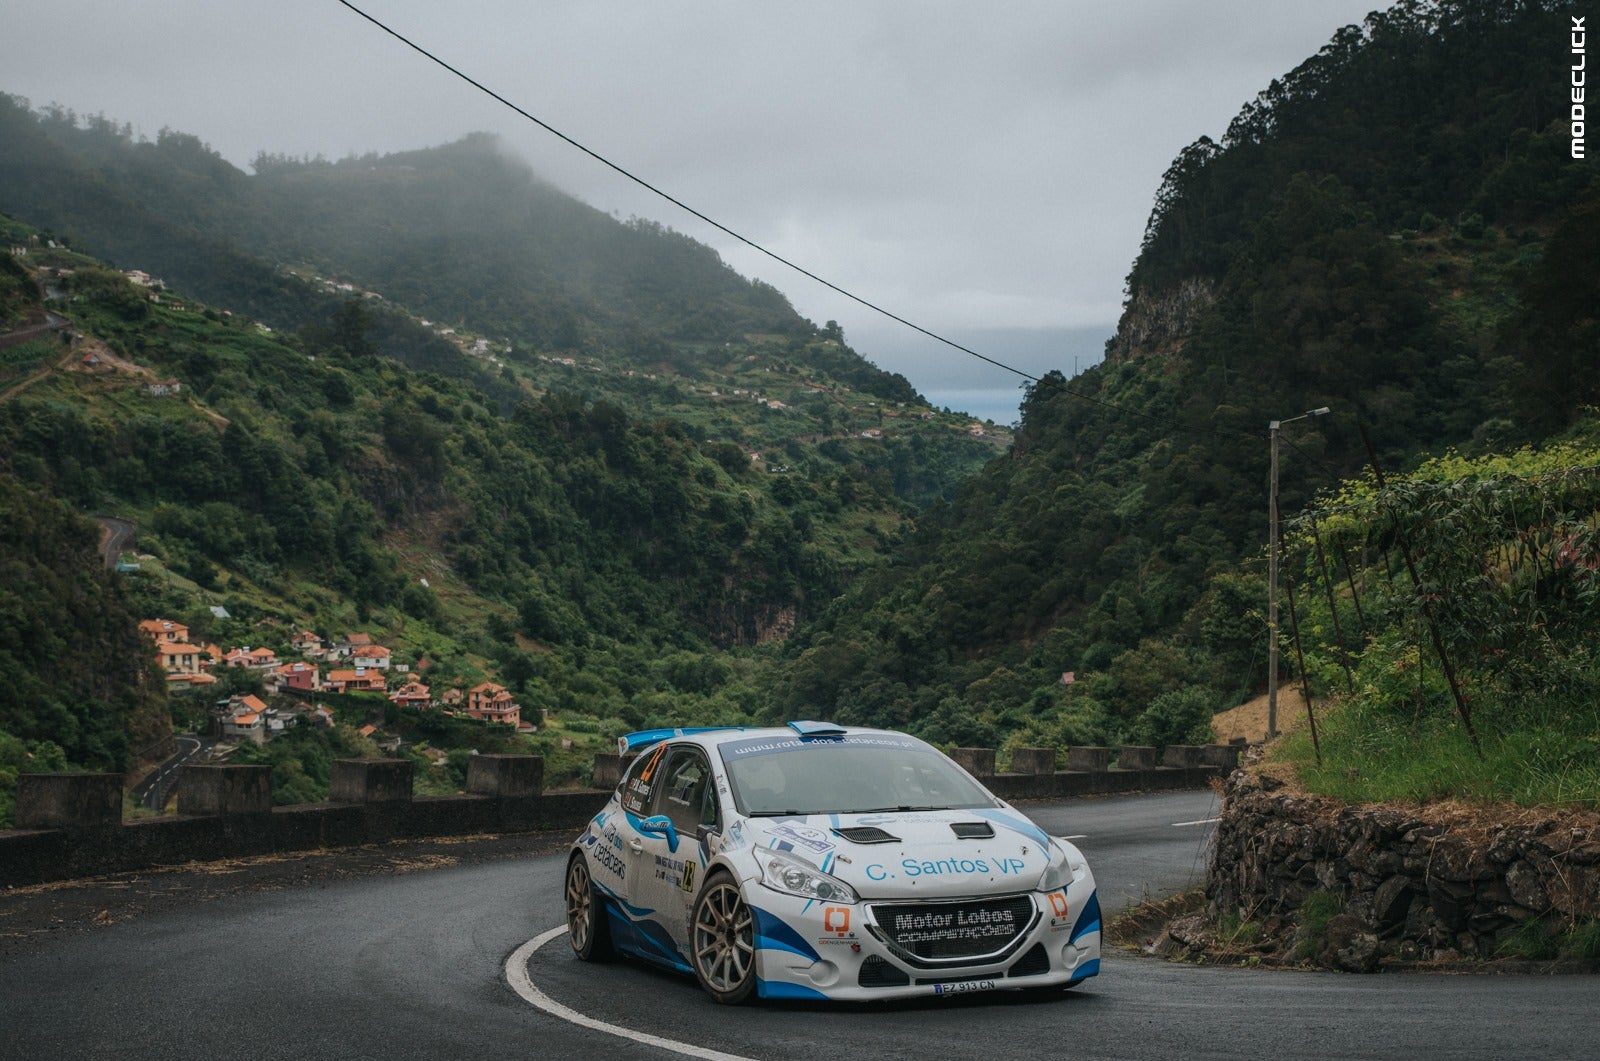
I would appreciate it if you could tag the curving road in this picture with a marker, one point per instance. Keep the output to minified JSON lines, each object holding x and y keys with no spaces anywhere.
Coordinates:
{"x":414,"y":966}
{"x":156,"y":787}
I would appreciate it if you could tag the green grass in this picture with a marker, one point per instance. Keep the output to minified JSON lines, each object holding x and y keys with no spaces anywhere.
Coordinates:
{"x":1547,"y":938}
{"x":1370,"y":757}
{"x":1315,"y":912}
{"x":17,"y":361}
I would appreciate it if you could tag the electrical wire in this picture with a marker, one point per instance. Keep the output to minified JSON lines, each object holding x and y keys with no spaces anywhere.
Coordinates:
{"x":719,"y":226}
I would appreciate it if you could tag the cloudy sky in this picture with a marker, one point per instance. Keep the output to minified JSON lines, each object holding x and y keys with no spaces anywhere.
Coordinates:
{"x":983,"y":169}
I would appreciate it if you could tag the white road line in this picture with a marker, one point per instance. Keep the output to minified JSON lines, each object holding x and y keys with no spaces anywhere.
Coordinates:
{"x":1202,"y":821}
{"x":522,"y":984}
{"x":1077,"y":836}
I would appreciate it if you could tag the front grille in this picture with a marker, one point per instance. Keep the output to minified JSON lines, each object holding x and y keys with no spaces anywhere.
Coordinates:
{"x":875,"y":972}
{"x":963,"y":930}
{"x":1034,"y":962}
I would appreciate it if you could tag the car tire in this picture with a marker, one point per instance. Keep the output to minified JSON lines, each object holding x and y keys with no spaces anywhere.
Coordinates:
{"x":587,"y":927}
{"x":722,"y":945}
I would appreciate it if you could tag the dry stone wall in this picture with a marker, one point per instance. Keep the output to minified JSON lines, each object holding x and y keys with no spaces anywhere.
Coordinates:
{"x":1423,"y":883}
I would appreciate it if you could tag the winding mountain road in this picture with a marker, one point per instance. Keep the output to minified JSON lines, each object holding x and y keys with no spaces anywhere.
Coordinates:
{"x":415,"y":965}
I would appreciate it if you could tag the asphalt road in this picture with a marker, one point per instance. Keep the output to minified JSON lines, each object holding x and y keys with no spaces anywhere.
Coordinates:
{"x":414,"y":966}
{"x":156,"y":787}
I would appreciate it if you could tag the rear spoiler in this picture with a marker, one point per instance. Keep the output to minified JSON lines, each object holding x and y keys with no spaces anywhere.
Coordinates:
{"x":632,"y":742}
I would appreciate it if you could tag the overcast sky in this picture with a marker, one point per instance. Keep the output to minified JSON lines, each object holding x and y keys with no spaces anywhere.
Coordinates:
{"x":983,"y":169}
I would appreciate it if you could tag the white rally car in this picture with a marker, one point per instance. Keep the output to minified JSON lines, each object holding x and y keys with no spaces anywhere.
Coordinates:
{"x":822,"y":862}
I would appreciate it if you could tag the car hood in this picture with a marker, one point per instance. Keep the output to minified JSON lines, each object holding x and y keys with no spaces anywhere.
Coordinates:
{"x":915,"y":854}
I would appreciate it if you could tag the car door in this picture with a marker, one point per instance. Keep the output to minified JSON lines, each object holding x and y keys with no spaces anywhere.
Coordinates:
{"x":671,"y":862}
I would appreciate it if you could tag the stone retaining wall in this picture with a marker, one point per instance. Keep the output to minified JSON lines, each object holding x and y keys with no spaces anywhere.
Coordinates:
{"x":71,"y":824}
{"x":1431,"y":884}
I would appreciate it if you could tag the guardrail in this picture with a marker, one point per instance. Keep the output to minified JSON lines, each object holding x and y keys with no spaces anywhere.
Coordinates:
{"x":70,"y":824}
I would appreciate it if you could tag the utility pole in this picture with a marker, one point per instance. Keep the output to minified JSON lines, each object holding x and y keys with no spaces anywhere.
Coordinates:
{"x":1272,"y":571}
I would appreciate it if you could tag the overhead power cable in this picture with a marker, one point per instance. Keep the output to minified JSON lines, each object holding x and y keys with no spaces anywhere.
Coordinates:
{"x":720,"y":227}
{"x":680,"y":204}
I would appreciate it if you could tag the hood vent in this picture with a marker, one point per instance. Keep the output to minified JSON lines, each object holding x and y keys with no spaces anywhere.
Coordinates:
{"x":866,"y":834}
{"x":973,"y":830}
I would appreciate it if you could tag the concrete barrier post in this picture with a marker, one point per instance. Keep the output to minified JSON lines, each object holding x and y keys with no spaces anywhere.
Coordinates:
{"x":1182,"y":756}
{"x":370,"y":781}
{"x":505,"y":776}
{"x":979,"y":762}
{"x":1224,"y":755}
{"x":1093,"y":760}
{"x":1033,"y":761}
{"x":607,"y":770}
{"x":1136,"y":758}
{"x":68,"y":801}
{"x":225,"y":790}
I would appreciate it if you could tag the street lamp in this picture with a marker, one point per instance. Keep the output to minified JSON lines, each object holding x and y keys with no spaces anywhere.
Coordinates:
{"x":1272,"y":573}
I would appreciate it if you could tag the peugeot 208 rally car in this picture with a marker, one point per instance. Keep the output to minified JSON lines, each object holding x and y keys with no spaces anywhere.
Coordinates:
{"x":823,"y":862}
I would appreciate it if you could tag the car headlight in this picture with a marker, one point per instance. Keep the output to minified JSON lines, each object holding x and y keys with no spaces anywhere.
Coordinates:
{"x":783,"y":872}
{"x":1062,"y":871}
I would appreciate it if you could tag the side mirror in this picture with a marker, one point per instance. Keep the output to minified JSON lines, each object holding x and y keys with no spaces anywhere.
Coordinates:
{"x":661,"y":825}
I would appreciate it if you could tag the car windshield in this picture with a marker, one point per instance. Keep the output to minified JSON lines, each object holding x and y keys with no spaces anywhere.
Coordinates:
{"x":857,"y":773}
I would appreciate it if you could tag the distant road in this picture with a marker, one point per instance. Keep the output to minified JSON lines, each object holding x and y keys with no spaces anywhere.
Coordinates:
{"x":115,"y":535}
{"x":157,"y":786}
{"x":22,"y":335}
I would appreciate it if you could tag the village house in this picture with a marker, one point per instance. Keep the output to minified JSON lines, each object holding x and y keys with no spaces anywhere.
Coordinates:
{"x":255,"y":658}
{"x":242,"y":718}
{"x":299,"y":676}
{"x":163,"y":388}
{"x":177,"y":657}
{"x":308,"y":644}
{"x":493,"y":703}
{"x":248,"y":726}
{"x":350,"y":643}
{"x":161,"y":630}
{"x":412,"y":694}
{"x":358,"y":680}
{"x":374,"y":657}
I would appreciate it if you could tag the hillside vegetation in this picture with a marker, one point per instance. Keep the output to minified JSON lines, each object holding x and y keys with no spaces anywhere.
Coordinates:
{"x":429,"y":396}
{"x":1390,"y":230}
{"x":592,"y":532}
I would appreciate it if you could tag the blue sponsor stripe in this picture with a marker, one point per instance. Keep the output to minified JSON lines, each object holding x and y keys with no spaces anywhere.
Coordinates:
{"x":632,"y":911}
{"x":778,"y":989}
{"x":1017,"y":824}
{"x":1088,"y":918}
{"x":773,"y":933}
{"x":1086,"y":970}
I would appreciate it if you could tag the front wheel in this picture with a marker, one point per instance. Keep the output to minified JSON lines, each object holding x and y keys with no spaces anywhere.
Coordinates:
{"x":722,"y":941}
{"x":586,"y":919}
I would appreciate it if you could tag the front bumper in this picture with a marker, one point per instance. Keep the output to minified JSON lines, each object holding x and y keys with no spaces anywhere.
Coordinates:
{"x":809,"y":949}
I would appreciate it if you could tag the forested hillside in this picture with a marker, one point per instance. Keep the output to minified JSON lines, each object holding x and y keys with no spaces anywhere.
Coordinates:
{"x":428,"y":395}
{"x":591,"y":530}
{"x":462,"y":236}
{"x":1390,"y":230}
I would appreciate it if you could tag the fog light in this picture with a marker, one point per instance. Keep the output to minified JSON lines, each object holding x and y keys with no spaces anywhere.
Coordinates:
{"x":823,"y":973}
{"x":1070,"y":956}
